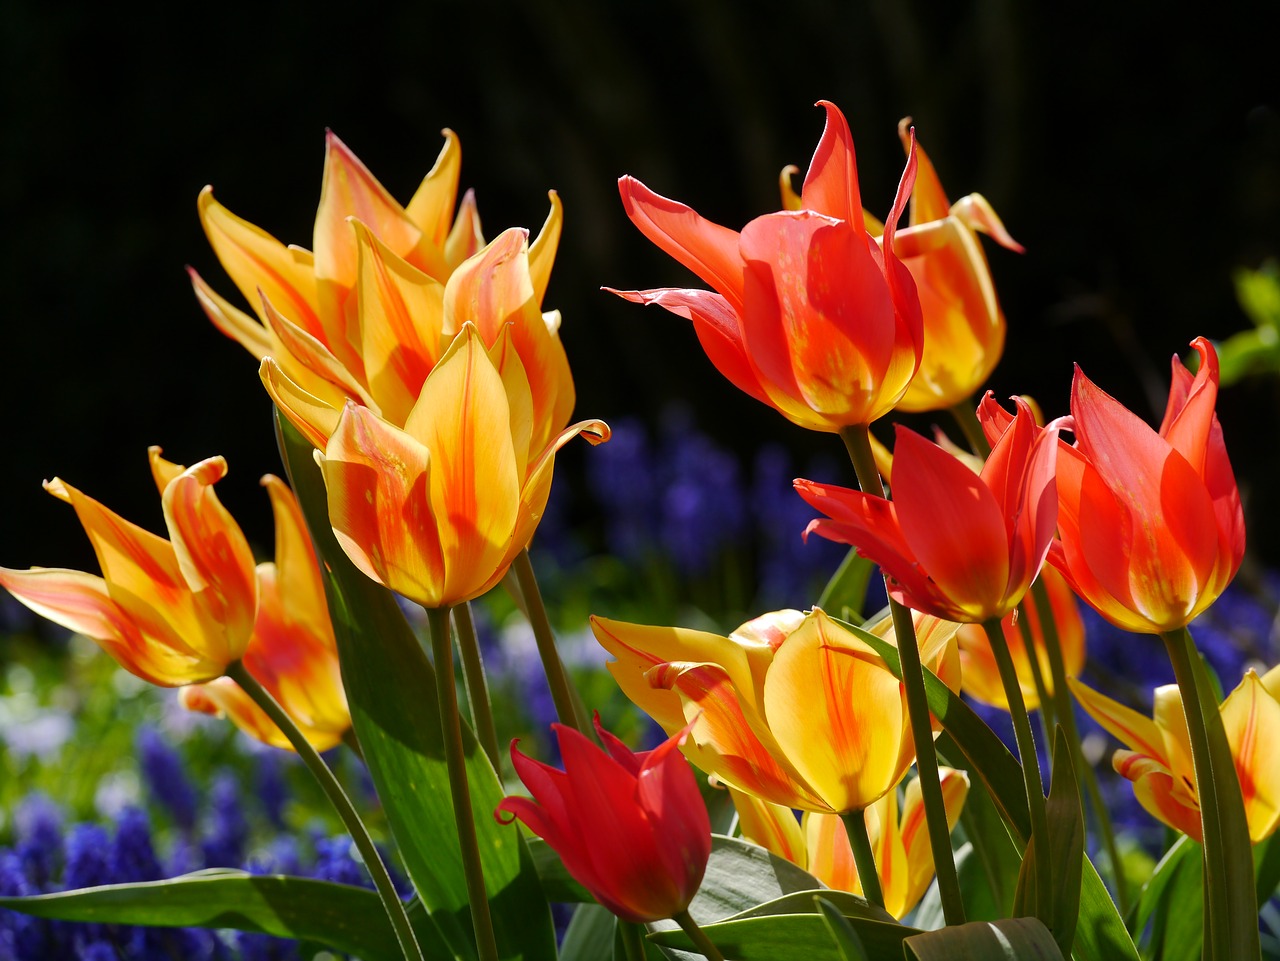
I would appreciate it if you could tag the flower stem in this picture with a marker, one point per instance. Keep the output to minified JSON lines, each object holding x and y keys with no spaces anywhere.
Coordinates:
{"x":967,"y":418}
{"x":557,"y":677}
{"x":1231,"y":907}
{"x":477,"y":685}
{"x":632,"y":940}
{"x":1066,"y":714}
{"x":1046,"y":704}
{"x":855,"y":826}
{"x":338,"y":797}
{"x":451,"y":729}
{"x":858,"y":442}
{"x":697,"y":936}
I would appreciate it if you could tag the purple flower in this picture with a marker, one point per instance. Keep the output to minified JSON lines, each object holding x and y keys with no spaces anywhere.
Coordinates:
{"x":228,"y":832}
{"x":166,"y":778}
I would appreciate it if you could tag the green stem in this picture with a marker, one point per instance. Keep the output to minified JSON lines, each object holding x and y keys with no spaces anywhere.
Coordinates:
{"x":632,"y":940}
{"x":855,"y":826}
{"x":342,"y":804}
{"x":1046,"y":706}
{"x":697,"y":936}
{"x":451,"y":729}
{"x":552,"y":666}
{"x":967,"y":417}
{"x":1231,"y":907}
{"x":477,"y":685}
{"x":1030,"y":762}
{"x":1066,"y":713}
{"x":857,"y":441}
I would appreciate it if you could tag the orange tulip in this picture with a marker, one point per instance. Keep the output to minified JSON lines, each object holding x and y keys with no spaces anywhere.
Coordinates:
{"x":172,"y":612}
{"x":292,"y":652}
{"x":437,"y":510}
{"x":810,"y":313}
{"x":367,"y":316}
{"x":791,"y":708}
{"x":981,"y":677}
{"x":1150,"y":523}
{"x":953,"y":544}
{"x":819,"y":844}
{"x":1158,"y":759}
{"x":631,"y":828}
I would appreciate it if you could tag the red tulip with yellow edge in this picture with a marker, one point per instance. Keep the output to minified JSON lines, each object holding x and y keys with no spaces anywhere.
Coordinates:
{"x":292,"y":653}
{"x":370,"y":313}
{"x":173,"y":612}
{"x":1158,"y":755}
{"x":792,"y":708}
{"x":630,"y":827}
{"x":437,"y":510}
{"x":1151,"y":528}
{"x":979,"y":674}
{"x":809,"y":313}
{"x":952,"y":543}
{"x":819,"y":844}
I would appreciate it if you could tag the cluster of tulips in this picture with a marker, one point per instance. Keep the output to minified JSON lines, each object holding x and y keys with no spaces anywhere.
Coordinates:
{"x":423,"y":392}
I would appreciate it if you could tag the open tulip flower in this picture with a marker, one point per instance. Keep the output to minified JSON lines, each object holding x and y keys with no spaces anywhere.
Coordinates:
{"x":1158,"y":755}
{"x":1150,"y":522}
{"x":964,"y":327}
{"x":818,"y":842}
{"x":630,"y":827}
{"x":792,"y":708}
{"x":952,"y":543}
{"x":437,"y":510}
{"x":367,"y":316}
{"x":810,"y":313}
{"x":173,"y":612}
{"x":979,"y":674}
{"x":292,"y":652}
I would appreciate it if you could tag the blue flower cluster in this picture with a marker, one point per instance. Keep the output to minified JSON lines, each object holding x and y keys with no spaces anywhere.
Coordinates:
{"x":48,"y":855}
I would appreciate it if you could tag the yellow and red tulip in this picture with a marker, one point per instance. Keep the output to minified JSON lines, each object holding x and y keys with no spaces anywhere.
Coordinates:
{"x":292,"y":653}
{"x":437,"y":510}
{"x":172,"y":612}
{"x":954,"y":544}
{"x":791,"y":708}
{"x":818,"y":842}
{"x":1158,"y":755}
{"x":1150,"y":523}
{"x":631,"y":828}
{"x":809,"y":314}
{"x":981,"y":677}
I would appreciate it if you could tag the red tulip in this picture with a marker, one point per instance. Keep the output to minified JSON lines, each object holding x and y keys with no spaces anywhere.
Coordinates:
{"x":631,"y":828}
{"x":952,"y":543}
{"x":1151,"y":526}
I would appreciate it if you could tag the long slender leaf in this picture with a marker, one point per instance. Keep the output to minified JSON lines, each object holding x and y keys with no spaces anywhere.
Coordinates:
{"x":846,"y":592}
{"x":1066,"y":841}
{"x":1010,"y":939}
{"x":790,"y":937}
{"x":340,"y":916}
{"x":388,"y":681}
{"x":844,"y":934}
{"x":1172,"y":903}
{"x":590,"y":934}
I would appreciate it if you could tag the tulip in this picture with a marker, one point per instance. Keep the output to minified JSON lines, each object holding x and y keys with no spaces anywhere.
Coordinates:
{"x":791,"y":708}
{"x":173,"y":612}
{"x":1150,"y":524}
{"x":630,"y":828}
{"x":367,"y":316}
{"x":953,"y":544}
{"x":810,"y":313}
{"x":820,"y":845}
{"x":438,"y":510}
{"x":980,"y":677}
{"x":292,"y":652}
{"x":1158,"y":759}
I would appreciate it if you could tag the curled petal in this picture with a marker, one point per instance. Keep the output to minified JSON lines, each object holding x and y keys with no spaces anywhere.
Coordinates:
{"x":431,"y":207}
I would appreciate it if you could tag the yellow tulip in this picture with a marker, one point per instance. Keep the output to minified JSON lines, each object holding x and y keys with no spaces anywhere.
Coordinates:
{"x":792,"y":708}
{"x":1158,"y":755}
{"x":292,"y":652}
{"x":437,"y":510}
{"x":818,"y":842}
{"x":172,"y":612}
{"x":367,"y":316}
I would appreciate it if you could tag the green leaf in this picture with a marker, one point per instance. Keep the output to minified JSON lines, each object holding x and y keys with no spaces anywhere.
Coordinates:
{"x":1100,"y":931}
{"x":590,"y":934}
{"x":340,"y":916}
{"x":1172,"y":903}
{"x":842,"y":932}
{"x":389,"y":684}
{"x":1010,"y":939}
{"x":846,"y":592}
{"x":1258,"y":292}
{"x":789,"y":937}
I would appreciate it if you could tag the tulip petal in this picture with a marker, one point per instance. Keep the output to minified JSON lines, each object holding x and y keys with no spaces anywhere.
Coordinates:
{"x":1156,"y":790}
{"x":328,"y":376}
{"x":314,"y":418}
{"x":1251,"y":716}
{"x":915,"y":833}
{"x":232,"y":321}
{"x":774,"y":827}
{"x":928,"y":200}
{"x":542,"y":252}
{"x":465,"y":240}
{"x":1137,"y":732}
{"x":431,"y":207}
{"x":831,"y":184}
{"x":296,"y":564}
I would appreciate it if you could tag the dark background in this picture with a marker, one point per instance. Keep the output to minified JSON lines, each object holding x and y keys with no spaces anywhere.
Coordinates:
{"x":1136,"y":157}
